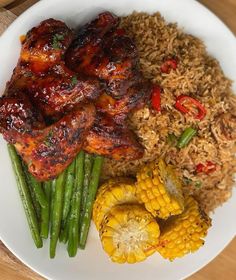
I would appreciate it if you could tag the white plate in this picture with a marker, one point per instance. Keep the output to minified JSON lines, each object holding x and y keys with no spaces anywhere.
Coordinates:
{"x":93,"y":263}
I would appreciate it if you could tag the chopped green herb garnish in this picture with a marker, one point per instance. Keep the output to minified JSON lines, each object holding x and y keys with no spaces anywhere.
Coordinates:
{"x":28,"y":74}
{"x":74,"y":81}
{"x":198,"y":184}
{"x":56,"y":41}
{"x":187,"y":181}
{"x":60,"y":37}
{"x":48,"y":139}
{"x":47,"y":143}
{"x":149,"y":173}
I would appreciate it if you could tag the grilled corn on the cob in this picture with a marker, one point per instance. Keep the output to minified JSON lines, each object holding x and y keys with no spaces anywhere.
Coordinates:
{"x":183,"y":234}
{"x":129,"y":233}
{"x":160,"y":190}
{"x":113,"y":192}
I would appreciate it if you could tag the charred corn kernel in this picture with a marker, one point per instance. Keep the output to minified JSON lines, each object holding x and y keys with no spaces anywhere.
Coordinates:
{"x":179,"y":236}
{"x":134,"y":238}
{"x":113,"y":192}
{"x":160,"y":190}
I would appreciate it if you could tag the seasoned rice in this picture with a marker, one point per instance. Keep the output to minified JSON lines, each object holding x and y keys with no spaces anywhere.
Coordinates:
{"x":200,"y":76}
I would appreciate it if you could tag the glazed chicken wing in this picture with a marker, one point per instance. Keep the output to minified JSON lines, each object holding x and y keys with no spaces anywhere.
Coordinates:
{"x":112,"y":140}
{"x":45,"y":45}
{"x":88,"y":41}
{"x":61,"y":90}
{"x":53,"y":88}
{"x":114,"y":62}
{"x":51,"y":150}
{"x":46,"y":111}
{"x":47,"y":150}
{"x":56,"y":92}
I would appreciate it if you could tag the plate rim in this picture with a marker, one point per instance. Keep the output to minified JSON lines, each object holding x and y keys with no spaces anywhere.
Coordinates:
{"x":12,"y":26}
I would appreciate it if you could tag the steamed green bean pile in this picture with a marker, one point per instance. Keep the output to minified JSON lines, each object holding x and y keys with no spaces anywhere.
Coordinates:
{"x":62,"y":208}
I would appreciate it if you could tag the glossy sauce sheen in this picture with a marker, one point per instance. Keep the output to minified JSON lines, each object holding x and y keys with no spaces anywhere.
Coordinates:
{"x":71,"y":91}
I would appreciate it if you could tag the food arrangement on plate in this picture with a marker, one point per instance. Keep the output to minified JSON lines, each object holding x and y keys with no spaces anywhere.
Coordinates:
{"x":130,"y":106}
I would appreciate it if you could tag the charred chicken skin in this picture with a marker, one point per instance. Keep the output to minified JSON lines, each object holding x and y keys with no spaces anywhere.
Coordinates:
{"x":110,"y":139}
{"x":68,"y":93}
{"x":47,"y":150}
{"x":116,"y":64}
{"x":113,"y":60}
{"x":61,"y":89}
{"x":45,"y":45}
{"x":41,"y":71}
{"x":135,"y":98}
{"x":56,"y":92}
{"x":18,"y":117}
{"x":88,"y":41}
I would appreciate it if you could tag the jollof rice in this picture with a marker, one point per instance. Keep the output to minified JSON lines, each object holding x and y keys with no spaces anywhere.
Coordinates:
{"x":200,"y":76}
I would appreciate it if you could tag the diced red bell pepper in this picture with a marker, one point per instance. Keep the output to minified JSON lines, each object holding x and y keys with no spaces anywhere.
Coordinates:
{"x":156,"y":98}
{"x":179,"y":105}
{"x":168,"y":65}
{"x":200,"y":167}
{"x":207,"y":168}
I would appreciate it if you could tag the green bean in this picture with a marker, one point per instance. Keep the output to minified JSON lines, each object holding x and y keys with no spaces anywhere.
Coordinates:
{"x":36,"y":204}
{"x":45,"y":213}
{"x":69,"y":184}
{"x":25,"y":196}
{"x":56,"y":213}
{"x":88,"y":164}
{"x":53,"y":188}
{"x":64,"y":232}
{"x":73,"y":234}
{"x":93,"y":185}
{"x":38,"y":190}
{"x":186,"y":137}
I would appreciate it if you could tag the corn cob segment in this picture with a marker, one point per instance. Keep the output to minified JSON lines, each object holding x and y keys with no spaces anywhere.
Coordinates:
{"x":160,"y":190}
{"x":129,"y":233}
{"x":113,"y":192}
{"x":183,"y":234}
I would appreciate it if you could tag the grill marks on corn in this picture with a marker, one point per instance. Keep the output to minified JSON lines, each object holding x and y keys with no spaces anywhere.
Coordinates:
{"x":184,"y":233}
{"x":153,"y":190}
{"x":129,"y":233}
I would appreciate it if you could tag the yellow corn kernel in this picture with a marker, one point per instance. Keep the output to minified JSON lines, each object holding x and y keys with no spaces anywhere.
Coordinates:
{"x":163,"y":191}
{"x":107,"y":242}
{"x":136,"y":236}
{"x":184,"y":233}
{"x":155,"y":204}
{"x":131,"y":258}
{"x":144,"y":197}
{"x":166,"y":198}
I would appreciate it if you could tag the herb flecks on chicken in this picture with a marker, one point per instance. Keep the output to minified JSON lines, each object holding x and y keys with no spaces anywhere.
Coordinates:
{"x":47,"y":150}
{"x":111,"y":57}
{"x":56,"y":101}
{"x":45,"y":45}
